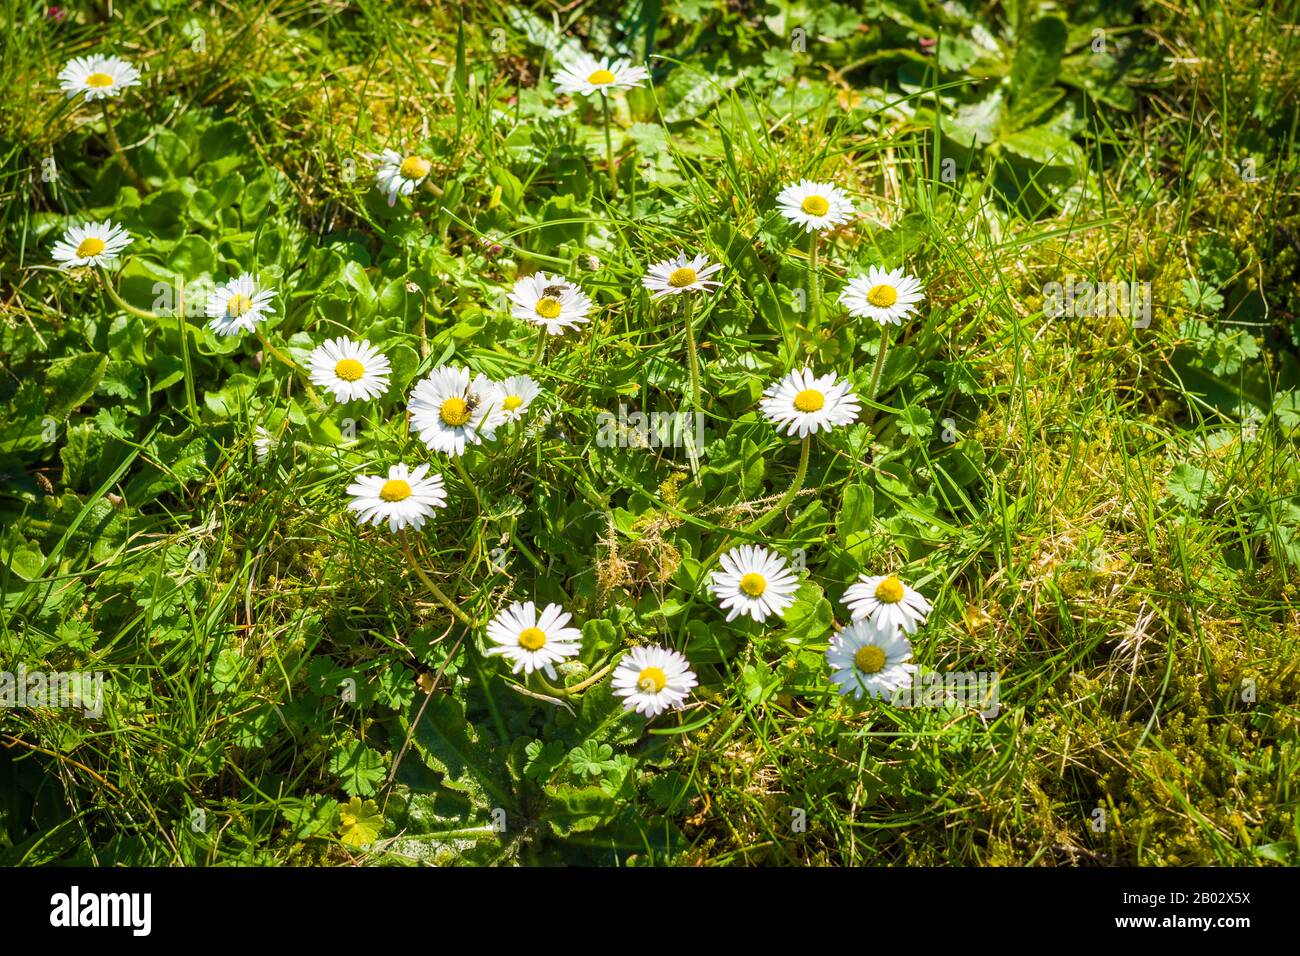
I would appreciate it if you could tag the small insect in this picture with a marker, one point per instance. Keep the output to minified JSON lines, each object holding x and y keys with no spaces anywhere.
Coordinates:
{"x":553,"y":291}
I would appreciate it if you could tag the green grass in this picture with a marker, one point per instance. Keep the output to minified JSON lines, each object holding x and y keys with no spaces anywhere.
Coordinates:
{"x":1104,"y":513}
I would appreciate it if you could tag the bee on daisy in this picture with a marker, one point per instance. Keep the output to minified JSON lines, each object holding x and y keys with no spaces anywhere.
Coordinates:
{"x":451,"y":409}
{"x":888,"y":601}
{"x":532,"y":641}
{"x":405,"y":498}
{"x":518,"y":392}
{"x":754,"y":581}
{"x":653,"y":679}
{"x":91,"y":244}
{"x":550,"y":301}
{"x":97,"y":77}
{"x":866,"y":657}
{"x":884,"y":296}
{"x":400,"y":175}
{"x":815,"y":206}
{"x":680,"y":274}
{"x":803,"y":403}
{"x":353,"y":371}
{"x":585,"y":74}
{"x":239,"y":305}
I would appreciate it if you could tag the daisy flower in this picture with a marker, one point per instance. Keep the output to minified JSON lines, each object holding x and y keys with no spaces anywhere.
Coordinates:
{"x":549,"y":301}
{"x":888,"y":601}
{"x":351,"y":370}
{"x":90,"y":244}
{"x":804,"y":403}
{"x":97,"y":77}
{"x":585,"y":74}
{"x":450,"y":410}
{"x":238,"y":305}
{"x":264,"y":443}
{"x":400,"y":176}
{"x":868,"y":657}
{"x":815,"y":206}
{"x":532,"y":642}
{"x":674,"y":276}
{"x":754,"y":581}
{"x":652,"y":679}
{"x":518,"y":392}
{"x":405,"y":497}
{"x":888,"y":297}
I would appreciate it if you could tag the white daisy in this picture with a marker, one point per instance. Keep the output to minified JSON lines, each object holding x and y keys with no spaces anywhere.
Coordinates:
{"x":674,"y":276}
{"x":450,"y":411}
{"x":91,"y":244}
{"x":400,"y":175}
{"x":533,"y":642}
{"x":238,"y":305}
{"x":351,"y":370}
{"x":815,"y":206}
{"x":887,"y":600}
{"x":518,"y":392}
{"x":405,"y":498}
{"x":887,"y":296}
{"x":97,"y":77}
{"x":585,"y":74}
{"x":550,"y":301}
{"x":865,"y":657}
{"x":652,"y":679}
{"x":264,"y":443}
{"x":754,"y":581}
{"x":805,"y":403}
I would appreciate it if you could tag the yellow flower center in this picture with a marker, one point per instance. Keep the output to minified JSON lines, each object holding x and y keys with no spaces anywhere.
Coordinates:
{"x":511,"y":402}
{"x":816,"y":206}
{"x":532,"y":638}
{"x":548,"y":307}
{"x":237,"y":305}
{"x":350,"y":370}
{"x":882,"y":296}
{"x":601,"y":78}
{"x":753,"y":584}
{"x":99,"y":80}
{"x":651,"y":680}
{"x":415,"y":167}
{"x":809,"y":400}
{"x":90,"y":246}
{"x":869,"y":659}
{"x":682,"y":277}
{"x":890,"y":590}
{"x":395,"y":489}
{"x":455,"y":411}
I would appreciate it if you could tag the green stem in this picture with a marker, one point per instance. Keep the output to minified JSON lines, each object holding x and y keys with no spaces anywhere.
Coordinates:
{"x":122,"y":303}
{"x":433,"y":589}
{"x":464,"y":476}
{"x":609,"y":148}
{"x":796,"y":485}
{"x":540,"y":352}
{"x":119,"y":153}
{"x":687,"y":307}
{"x":814,"y":283}
{"x":576,"y":688}
{"x":183,"y":327}
{"x":874,"y":387}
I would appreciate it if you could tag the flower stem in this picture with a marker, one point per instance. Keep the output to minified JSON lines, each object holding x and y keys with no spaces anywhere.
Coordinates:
{"x":796,"y":485}
{"x":609,"y":147}
{"x":122,"y":303}
{"x":311,"y":392}
{"x":579,"y":687}
{"x":880,"y":363}
{"x":433,"y":589}
{"x":814,"y":282}
{"x":464,"y":476}
{"x":119,"y":153}
{"x":540,"y":352}
{"x":688,"y":306}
